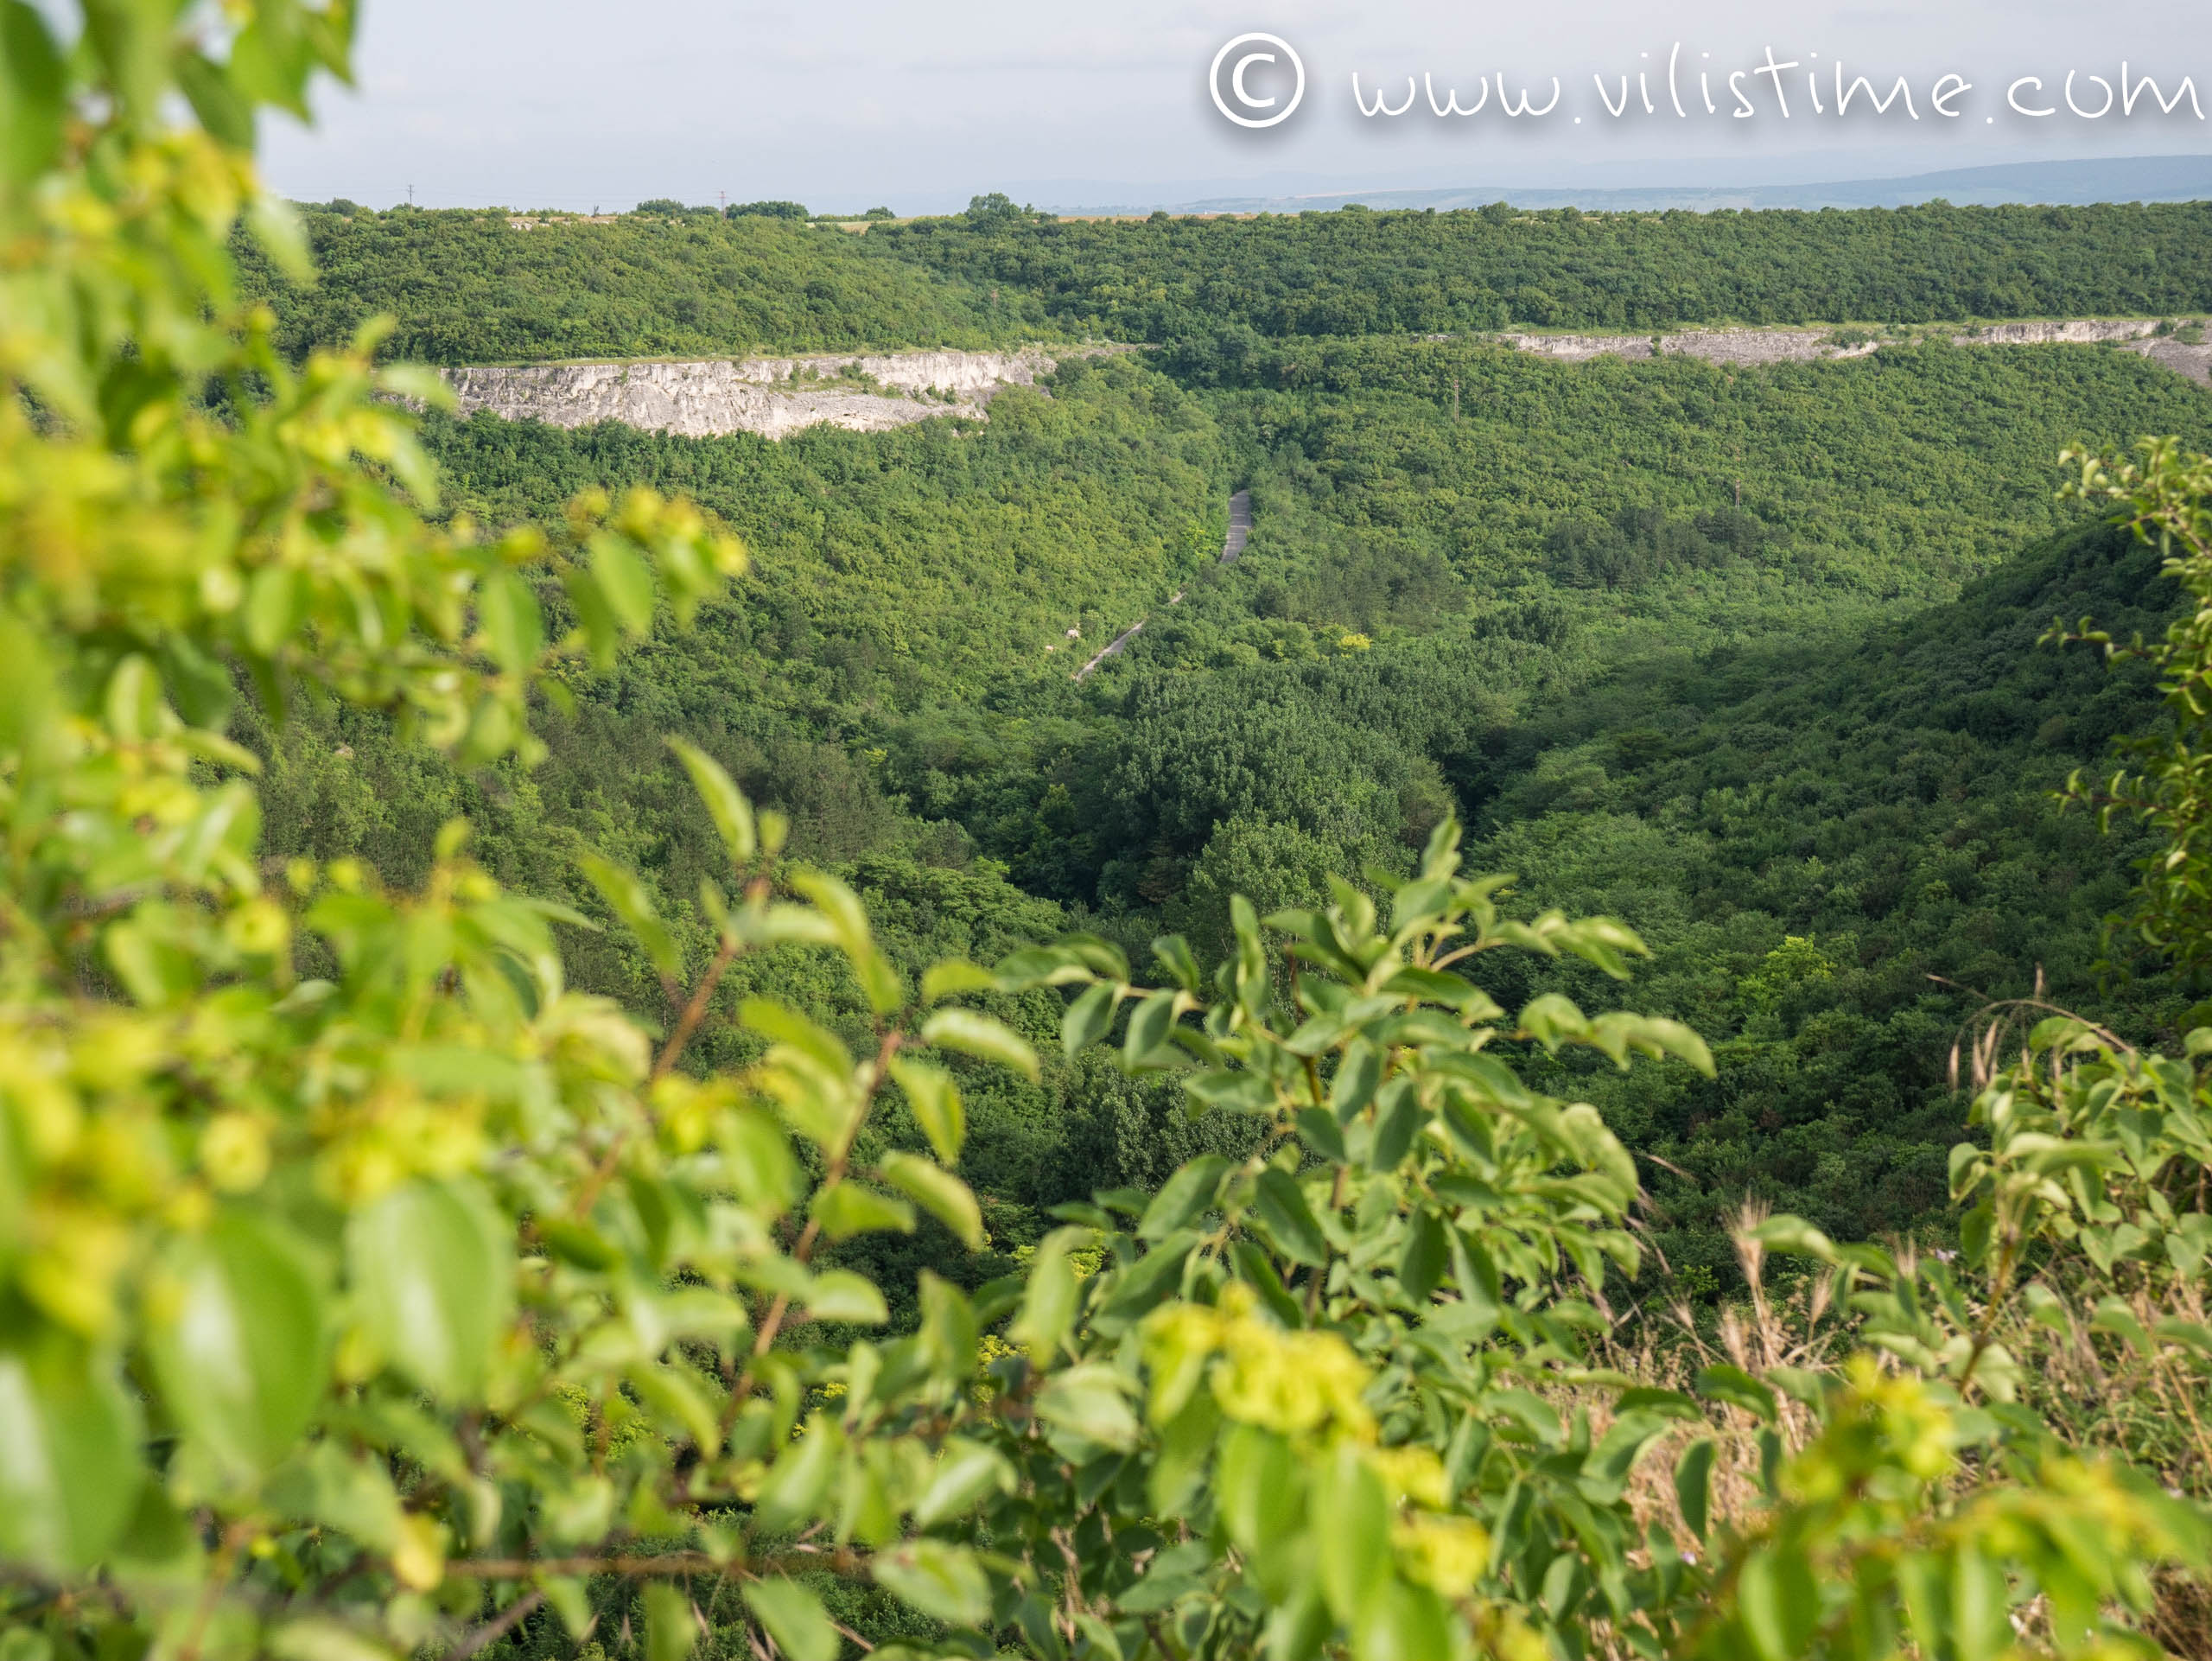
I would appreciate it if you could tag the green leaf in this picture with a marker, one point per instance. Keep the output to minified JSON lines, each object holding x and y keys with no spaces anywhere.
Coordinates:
{"x":326,"y":1640}
{"x":1794,"y":1235}
{"x":1092,"y":1401}
{"x":1398,"y":1119}
{"x":670,"y":1627}
{"x":939,"y":1192}
{"x":1318,"y":1130}
{"x":947,"y":1339}
{"x":845,"y":1209}
{"x":798,"y":1481}
{"x":36,"y":93}
{"x":945,"y":1582}
{"x":794,"y":1618}
{"x":626,"y":898}
{"x":1735,"y":1387}
{"x":843,"y":1295}
{"x":1050,"y":1299}
{"x":238,"y":1347}
{"x":274,"y":600}
{"x":935,"y":1098}
{"x":1148,"y":1025}
{"x":1357,"y":1077}
{"x":624,"y":582}
{"x":69,"y":1461}
{"x":1288,"y":1220}
{"x":432,"y":1266}
{"x":966,"y":1471}
{"x":1182,"y":1196}
{"x":1694,"y":1484}
{"x":1173,"y":954}
{"x":602,"y":629}
{"x":1778,"y":1602}
{"x":1087,"y":1019}
{"x":1257,"y":1271}
{"x":725,"y":803}
{"x":508,"y":612}
{"x":1420,"y":1266}
{"x":1356,"y":1566}
{"x":953,"y":977}
{"x":981,"y":1036}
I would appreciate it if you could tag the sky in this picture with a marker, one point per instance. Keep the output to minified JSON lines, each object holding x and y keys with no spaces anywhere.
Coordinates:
{"x":917,"y":104}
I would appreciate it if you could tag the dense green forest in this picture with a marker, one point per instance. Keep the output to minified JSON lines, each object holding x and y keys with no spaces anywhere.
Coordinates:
{"x":1359,"y":272}
{"x":466,"y":286}
{"x":1747,"y":657}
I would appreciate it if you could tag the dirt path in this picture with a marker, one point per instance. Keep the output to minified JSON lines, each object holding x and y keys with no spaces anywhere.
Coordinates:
{"x":1240,"y":528}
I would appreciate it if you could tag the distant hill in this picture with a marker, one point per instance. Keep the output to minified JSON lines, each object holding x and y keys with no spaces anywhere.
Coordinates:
{"x":2120,"y":179}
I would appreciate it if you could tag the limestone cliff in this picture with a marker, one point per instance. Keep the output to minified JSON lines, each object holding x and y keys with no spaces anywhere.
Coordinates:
{"x":770,"y":396}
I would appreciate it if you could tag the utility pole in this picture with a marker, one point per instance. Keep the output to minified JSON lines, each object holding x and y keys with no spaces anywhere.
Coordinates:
{"x":411,"y":195}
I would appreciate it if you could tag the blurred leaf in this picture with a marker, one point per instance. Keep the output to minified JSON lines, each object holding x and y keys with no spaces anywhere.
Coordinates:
{"x":944,"y":1195}
{"x":1182,"y":1196}
{"x":965,"y":1472}
{"x":725,"y":802}
{"x":1736,"y":1388}
{"x":1049,"y":1301}
{"x":1420,"y":1266}
{"x":945,"y":1582}
{"x":952,"y":977}
{"x":670,"y":1628}
{"x":239,"y":1350}
{"x":842,"y":1296}
{"x":1091,"y":1400}
{"x":69,"y":1469}
{"x":1087,"y":1019}
{"x":31,"y":112}
{"x":794,"y":1618}
{"x":935,"y":1099}
{"x":432,"y":1267}
{"x":981,"y":1036}
{"x":1288,"y":1220}
{"x":1694,"y":1484}
{"x":626,"y":898}
{"x":847,"y":1209}
{"x":508,"y":611}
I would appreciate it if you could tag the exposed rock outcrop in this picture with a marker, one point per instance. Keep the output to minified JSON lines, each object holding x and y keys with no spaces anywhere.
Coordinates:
{"x":769,"y":396}
{"x":872,"y":391}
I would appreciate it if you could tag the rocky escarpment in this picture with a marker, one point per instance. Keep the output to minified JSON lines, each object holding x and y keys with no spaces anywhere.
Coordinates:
{"x":769,"y":396}
{"x":1757,"y":345}
{"x":872,"y":391}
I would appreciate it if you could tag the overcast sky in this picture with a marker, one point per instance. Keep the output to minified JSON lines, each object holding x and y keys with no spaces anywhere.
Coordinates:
{"x":916,"y":105}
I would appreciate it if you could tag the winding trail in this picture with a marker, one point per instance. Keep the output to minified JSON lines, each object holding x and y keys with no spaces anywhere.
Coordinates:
{"x":1240,"y":529}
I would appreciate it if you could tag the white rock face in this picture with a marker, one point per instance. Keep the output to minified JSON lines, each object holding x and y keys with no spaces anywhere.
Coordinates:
{"x":872,"y":391}
{"x":1754,"y":345}
{"x":772,"y":396}
{"x":2074,"y":331}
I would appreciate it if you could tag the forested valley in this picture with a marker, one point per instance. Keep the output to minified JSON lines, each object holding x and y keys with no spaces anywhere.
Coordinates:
{"x":1747,"y":657}
{"x":1590,"y":1044}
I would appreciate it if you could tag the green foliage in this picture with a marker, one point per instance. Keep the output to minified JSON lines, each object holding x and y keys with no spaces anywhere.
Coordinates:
{"x":1220,"y":293}
{"x":1216,"y":286}
{"x":2170,"y":786}
{"x":470,"y":287}
{"x":367,"y":1289}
